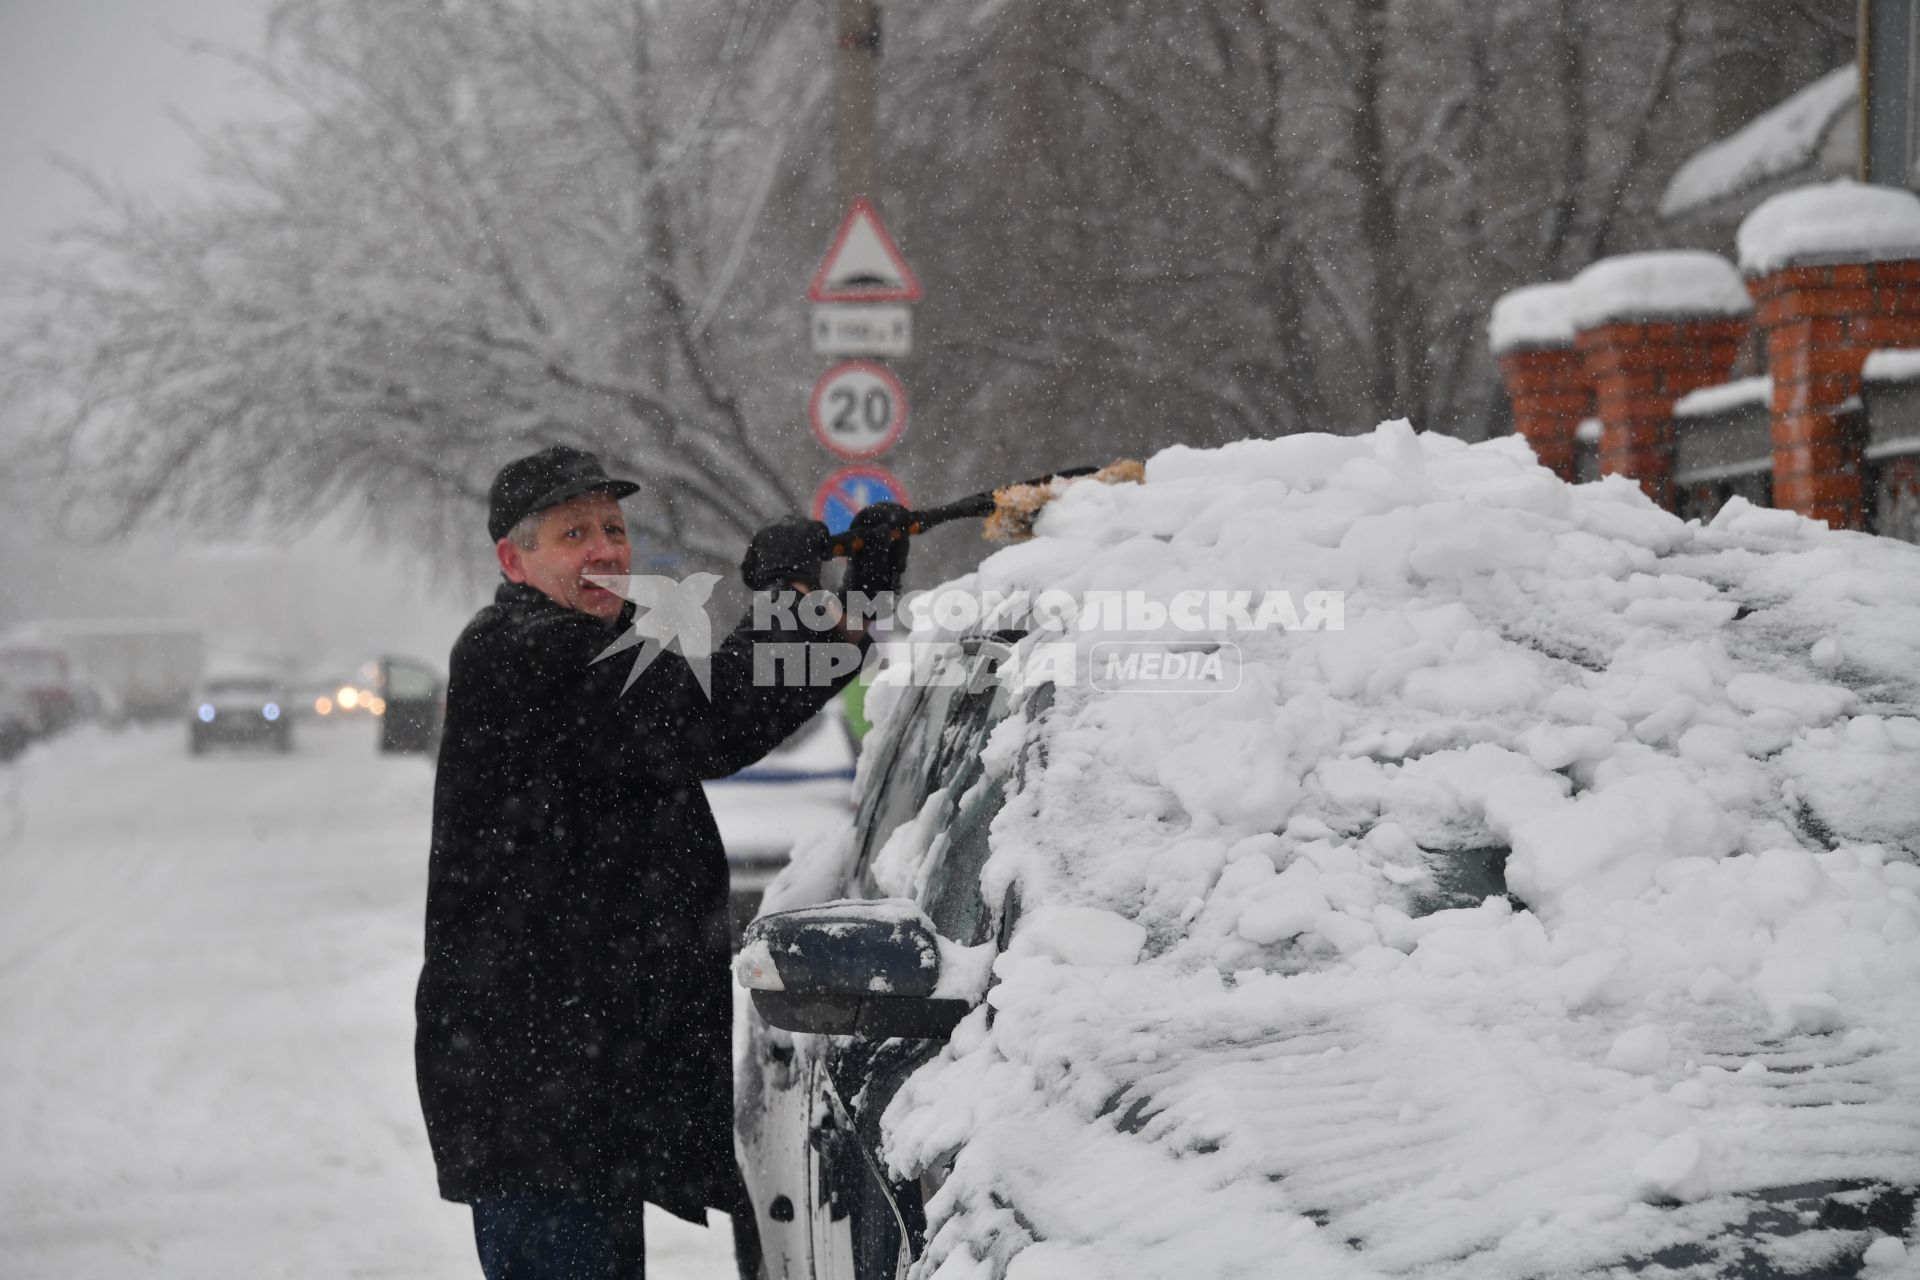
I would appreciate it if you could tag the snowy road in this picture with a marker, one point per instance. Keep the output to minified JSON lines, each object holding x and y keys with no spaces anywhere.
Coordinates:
{"x":206,"y":977}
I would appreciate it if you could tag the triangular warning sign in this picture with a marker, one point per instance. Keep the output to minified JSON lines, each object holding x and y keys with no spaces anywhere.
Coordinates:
{"x":864,"y":265}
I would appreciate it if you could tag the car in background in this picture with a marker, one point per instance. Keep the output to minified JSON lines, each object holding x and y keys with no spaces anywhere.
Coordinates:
{"x":45,"y":675}
{"x":411,"y":701}
{"x":240,"y":709}
{"x":1557,"y":914}
{"x":19,"y":721}
{"x":802,"y":788}
{"x":124,"y":668}
{"x":313,"y":696}
{"x":326,"y":695}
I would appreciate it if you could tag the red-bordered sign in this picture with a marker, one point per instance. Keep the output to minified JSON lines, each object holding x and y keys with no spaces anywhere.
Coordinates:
{"x":864,"y":264}
{"x":858,"y":409}
{"x":842,"y":494}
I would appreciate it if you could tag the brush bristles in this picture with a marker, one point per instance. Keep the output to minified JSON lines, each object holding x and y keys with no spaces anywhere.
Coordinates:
{"x":1015,"y":506}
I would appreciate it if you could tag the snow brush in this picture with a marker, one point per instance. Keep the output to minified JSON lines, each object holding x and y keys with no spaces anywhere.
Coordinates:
{"x":1009,"y":511}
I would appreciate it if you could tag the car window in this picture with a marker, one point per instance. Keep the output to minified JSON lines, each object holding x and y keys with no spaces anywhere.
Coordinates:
{"x":954,"y":902}
{"x":1465,"y":878}
{"x":242,"y":684}
{"x":406,"y":682}
{"x":908,"y":777}
{"x":941,"y":753}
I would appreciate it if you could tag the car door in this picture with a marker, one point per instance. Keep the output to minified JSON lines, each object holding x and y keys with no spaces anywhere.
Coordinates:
{"x":866,"y":1226}
{"x":811,"y":1134}
{"x":411,"y":697}
{"x":793,"y":1152}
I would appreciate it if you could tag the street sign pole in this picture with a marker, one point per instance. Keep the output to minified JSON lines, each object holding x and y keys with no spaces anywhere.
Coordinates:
{"x":1889,"y":43}
{"x":861,"y":294}
{"x":856,"y":93}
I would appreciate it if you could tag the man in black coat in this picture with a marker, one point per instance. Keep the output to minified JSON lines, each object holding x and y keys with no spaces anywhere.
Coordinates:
{"x":573,"y":1012}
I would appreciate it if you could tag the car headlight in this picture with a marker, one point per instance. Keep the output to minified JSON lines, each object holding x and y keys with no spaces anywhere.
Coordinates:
{"x":206,"y":713}
{"x":271,"y":711}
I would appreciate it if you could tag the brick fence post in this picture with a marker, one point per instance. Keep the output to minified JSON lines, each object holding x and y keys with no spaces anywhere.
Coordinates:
{"x":1835,"y":271}
{"x":1546,"y":380}
{"x":1652,"y":327}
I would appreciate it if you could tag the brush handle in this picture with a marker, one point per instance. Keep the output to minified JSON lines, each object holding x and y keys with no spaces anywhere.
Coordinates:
{"x":977,"y":506}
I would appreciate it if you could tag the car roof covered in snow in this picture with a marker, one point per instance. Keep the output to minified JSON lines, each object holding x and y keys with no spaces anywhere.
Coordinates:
{"x":1257,"y":1013}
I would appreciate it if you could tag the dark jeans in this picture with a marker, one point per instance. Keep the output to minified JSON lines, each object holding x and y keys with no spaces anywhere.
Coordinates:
{"x":553,"y":1237}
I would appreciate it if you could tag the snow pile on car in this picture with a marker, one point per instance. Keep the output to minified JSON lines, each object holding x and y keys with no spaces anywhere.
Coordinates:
{"x":1266,"y":1009}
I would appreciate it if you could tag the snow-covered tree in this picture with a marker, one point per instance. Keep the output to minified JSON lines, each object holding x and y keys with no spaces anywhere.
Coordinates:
{"x":482,"y":226}
{"x":489,"y":224}
{"x":1249,"y":217}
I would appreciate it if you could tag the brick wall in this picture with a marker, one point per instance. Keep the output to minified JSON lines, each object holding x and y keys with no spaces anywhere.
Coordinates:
{"x":1821,"y":323}
{"x":1550,"y":394}
{"x":1833,"y":274}
{"x":1638,"y":369}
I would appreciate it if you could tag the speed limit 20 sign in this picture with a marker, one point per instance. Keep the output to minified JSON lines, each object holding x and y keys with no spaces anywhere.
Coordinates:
{"x":858,"y":409}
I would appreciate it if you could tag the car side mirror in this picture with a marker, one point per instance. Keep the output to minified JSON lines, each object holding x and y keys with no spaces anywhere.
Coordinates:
{"x":849,"y":968}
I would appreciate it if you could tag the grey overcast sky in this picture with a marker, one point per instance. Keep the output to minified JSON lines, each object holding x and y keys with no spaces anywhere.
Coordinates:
{"x":94,"y":80}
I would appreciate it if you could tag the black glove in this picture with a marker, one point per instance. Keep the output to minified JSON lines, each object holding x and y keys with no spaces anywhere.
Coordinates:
{"x":880,"y":562}
{"x":783,"y":552}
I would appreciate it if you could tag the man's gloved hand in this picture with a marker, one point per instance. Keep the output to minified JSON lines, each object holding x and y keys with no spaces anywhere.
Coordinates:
{"x":786,"y":551}
{"x":881,"y":560}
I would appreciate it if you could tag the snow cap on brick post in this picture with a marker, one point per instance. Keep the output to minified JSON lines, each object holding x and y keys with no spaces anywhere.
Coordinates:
{"x":1835,"y":270}
{"x":1531,"y":333}
{"x":1650,"y":328}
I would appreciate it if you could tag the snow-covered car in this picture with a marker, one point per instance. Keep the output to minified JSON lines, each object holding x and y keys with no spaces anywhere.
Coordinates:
{"x":240,"y":708}
{"x":1556,"y":914}
{"x":798,"y":792}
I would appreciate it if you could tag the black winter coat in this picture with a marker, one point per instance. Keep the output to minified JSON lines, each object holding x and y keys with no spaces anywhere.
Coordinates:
{"x":573,"y":1013}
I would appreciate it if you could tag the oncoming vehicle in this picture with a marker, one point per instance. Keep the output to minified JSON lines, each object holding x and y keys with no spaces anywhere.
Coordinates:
{"x":342,"y":699}
{"x":799,"y":791}
{"x":240,"y":709}
{"x":1558,"y":914}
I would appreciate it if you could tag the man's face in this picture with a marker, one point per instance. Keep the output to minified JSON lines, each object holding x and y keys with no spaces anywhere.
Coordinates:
{"x":585,"y":536}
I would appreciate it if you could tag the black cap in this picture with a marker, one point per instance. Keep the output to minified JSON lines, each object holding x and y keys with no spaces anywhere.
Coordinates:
{"x":546,"y":479}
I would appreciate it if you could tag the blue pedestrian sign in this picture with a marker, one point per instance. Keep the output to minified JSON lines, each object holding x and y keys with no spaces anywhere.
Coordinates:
{"x":847,"y":490}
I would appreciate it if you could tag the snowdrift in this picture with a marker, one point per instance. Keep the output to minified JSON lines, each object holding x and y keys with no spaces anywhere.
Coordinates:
{"x":1559,"y":913}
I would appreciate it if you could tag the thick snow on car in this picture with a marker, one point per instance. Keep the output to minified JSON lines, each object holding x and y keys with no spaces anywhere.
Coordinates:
{"x":1555,"y":915}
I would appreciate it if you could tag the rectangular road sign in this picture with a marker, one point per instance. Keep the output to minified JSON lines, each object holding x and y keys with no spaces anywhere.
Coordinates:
{"x":862,"y":329}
